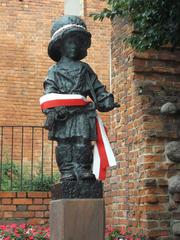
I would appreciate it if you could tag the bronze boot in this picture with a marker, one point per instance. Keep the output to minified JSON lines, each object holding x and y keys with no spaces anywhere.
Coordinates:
{"x":83,"y":159}
{"x":65,"y":161}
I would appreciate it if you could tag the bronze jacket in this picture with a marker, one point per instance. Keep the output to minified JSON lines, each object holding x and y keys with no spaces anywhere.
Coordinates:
{"x":78,"y":121}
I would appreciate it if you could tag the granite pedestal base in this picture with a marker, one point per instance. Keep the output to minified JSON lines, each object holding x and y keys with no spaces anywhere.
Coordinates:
{"x":77,"y":219}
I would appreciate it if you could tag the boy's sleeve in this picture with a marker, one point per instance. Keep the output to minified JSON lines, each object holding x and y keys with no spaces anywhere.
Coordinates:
{"x":104,"y":99}
{"x":96,"y":84}
{"x":50,"y":85}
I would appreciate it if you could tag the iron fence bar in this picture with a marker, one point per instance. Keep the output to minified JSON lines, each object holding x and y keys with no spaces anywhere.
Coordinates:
{"x":52,"y":152}
{"x":12,"y":143}
{"x":32,"y":157}
{"x":22,"y":153}
{"x":17,"y":149}
{"x":1,"y":157}
{"x":42,"y":160}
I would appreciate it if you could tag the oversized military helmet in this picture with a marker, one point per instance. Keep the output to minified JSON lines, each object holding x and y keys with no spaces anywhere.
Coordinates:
{"x":64,"y":27}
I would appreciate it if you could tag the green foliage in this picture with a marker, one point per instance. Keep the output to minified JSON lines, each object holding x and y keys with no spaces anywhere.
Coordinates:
{"x":10,"y":170}
{"x":119,"y":234}
{"x":155,"y":22}
{"x":39,"y":182}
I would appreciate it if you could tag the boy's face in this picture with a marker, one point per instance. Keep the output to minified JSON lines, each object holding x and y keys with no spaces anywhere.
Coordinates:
{"x":72,"y":47}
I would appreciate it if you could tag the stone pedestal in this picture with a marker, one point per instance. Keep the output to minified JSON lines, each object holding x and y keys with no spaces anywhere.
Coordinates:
{"x":77,"y":219}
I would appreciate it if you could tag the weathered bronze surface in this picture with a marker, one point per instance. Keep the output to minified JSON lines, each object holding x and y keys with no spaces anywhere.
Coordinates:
{"x":77,"y":189}
{"x":74,"y":128}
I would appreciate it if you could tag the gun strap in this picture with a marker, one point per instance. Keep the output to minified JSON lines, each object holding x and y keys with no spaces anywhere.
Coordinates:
{"x":91,"y":89}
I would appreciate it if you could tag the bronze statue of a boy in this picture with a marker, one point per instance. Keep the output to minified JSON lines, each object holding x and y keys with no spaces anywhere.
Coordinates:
{"x":73,"y":126}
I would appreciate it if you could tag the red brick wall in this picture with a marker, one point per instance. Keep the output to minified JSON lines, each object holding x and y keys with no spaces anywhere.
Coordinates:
{"x":24,"y":36}
{"x":136,"y":192}
{"x":24,"y":207}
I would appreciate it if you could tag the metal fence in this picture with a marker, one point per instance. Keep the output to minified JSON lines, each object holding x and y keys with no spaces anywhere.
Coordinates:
{"x":27,"y":161}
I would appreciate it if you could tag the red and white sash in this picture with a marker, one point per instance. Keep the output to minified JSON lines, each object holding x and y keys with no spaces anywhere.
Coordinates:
{"x":103,"y":156}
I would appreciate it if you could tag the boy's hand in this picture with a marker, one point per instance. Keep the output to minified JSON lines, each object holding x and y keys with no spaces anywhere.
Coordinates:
{"x":106,"y":103}
{"x":62,"y":113}
{"x":49,"y":123}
